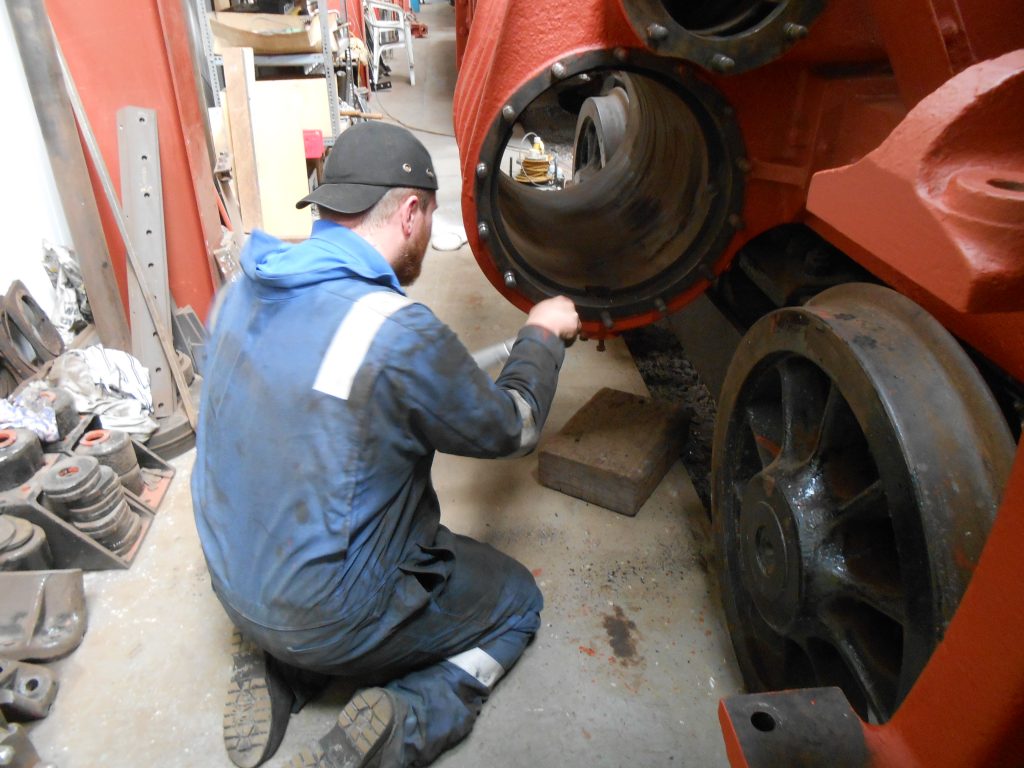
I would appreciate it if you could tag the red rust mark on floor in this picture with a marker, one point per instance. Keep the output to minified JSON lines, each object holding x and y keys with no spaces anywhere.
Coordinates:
{"x":537,"y":572}
{"x":587,"y":650}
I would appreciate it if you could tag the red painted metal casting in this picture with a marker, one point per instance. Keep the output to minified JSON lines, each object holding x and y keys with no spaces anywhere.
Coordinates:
{"x":795,"y":115}
{"x":826,"y":103}
{"x":938,"y":209}
{"x":895,"y":131}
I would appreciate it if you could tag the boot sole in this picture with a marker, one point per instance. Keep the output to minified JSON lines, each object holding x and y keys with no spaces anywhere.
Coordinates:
{"x":252,"y":729}
{"x":363,"y":727}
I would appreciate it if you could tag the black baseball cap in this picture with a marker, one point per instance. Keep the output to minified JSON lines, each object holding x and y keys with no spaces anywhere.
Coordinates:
{"x":366,"y":161}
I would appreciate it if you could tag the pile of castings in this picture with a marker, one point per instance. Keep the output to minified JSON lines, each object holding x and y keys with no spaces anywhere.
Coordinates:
{"x":90,"y":496}
{"x":83,"y":501}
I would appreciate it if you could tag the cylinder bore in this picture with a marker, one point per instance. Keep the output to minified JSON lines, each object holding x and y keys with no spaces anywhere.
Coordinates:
{"x":652,"y":197}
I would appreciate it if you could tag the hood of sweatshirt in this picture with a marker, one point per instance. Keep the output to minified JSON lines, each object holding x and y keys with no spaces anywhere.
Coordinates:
{"x":332,"y":252}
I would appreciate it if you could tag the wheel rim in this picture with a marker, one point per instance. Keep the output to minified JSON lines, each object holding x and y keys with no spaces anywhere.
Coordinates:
{"x":845,"y":533}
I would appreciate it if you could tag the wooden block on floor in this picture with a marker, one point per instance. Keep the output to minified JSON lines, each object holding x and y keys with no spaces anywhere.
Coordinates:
{"x":614,"y":451}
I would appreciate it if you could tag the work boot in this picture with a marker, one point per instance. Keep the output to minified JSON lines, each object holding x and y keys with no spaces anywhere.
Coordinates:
{"x":364,"y":726}
{"x":258,"y":705}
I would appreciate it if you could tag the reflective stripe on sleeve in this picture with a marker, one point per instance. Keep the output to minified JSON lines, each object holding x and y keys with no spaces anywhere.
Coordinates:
{"x":529,"y":435}
{"x":347,"y":350}
{"x":479,"y":664}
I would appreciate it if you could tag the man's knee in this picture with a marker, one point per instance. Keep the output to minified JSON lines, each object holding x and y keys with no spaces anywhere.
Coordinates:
{"x":522,"y":589}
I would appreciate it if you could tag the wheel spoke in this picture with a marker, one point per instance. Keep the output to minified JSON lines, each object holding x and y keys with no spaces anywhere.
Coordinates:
{"x":881,"y":594}
{"x":779,"y":661}
{"x":873,"y":673}
{"x":835,"y":421}
{"x":766,"y":426}
{"x":868,"y":505}
{"x":804,"y":391}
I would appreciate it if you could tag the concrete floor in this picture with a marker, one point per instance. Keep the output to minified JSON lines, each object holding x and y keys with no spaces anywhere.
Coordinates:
{"x":147,"y":684}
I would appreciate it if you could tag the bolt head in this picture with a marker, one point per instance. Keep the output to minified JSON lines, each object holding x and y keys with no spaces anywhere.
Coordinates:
{"x":508,"y":113}
{"x":510,"y":279}
{"x":795,"y":31}
{"x":483,"y":230}
{"x":656,"y":32}
{"x":558,"y":70}
{"x":481,"y":170}
{"x":722,"y":63}
{"x":620,"y":54}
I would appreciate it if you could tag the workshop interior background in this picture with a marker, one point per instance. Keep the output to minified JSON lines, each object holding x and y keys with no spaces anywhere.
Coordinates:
{"x":783,"y":457}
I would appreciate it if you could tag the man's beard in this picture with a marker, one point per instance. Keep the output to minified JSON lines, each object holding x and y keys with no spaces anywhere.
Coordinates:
{"x":409,"y":263}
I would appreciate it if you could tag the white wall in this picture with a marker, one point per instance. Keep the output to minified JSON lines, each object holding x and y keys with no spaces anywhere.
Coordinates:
{"x":30,"y":206}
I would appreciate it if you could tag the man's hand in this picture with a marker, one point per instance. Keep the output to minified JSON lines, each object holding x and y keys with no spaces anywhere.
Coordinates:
{"x":557,"y":315}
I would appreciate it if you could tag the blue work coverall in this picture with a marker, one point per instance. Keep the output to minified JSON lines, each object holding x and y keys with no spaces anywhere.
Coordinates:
{"x":326,"y":394}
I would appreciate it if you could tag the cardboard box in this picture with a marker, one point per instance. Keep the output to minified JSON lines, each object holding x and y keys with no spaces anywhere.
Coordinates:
{"x":268,"y":33}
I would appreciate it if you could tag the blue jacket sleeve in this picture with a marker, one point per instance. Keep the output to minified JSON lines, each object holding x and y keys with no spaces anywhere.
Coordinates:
{"x":452,"y":406}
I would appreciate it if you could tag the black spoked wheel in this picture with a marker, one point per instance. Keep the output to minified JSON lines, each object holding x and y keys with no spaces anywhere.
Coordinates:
{"x":859,"y":460}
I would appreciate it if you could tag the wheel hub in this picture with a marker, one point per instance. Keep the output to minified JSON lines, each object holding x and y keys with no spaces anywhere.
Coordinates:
{"x":776,"y":543}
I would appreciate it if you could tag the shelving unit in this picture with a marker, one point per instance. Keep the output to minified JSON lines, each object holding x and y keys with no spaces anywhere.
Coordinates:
{"x":339,"y":62}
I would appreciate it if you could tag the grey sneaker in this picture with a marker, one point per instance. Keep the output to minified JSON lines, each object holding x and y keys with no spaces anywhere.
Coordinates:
{"x":363,"y":728}
{"x":258,"y":705}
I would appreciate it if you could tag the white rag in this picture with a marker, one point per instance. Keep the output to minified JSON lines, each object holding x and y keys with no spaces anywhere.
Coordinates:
{"x":110,"y":383}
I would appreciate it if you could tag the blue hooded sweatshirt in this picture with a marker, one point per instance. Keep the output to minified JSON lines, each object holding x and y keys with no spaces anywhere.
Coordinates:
{"x":326,"y":393}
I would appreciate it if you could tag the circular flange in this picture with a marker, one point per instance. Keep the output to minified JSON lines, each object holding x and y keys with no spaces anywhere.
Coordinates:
{"x":122,"y":544}
{"x":26,"y":548}
{"x":110,"y":447}
{"x":8,"y":533}
{"x":723,"y":37}
{"x":704,"y":230}
{"x":20,"y":456}
{"x":71,"y":478}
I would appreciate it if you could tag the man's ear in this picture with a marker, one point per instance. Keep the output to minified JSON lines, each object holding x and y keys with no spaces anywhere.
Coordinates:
{"x":408,"y":210}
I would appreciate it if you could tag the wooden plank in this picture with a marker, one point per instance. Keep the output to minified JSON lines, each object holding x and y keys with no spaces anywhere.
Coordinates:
{"x":614,"y":451}
{"x":56,"y":120}
{"x":281,"y":110}
{"x":240,"y":78}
